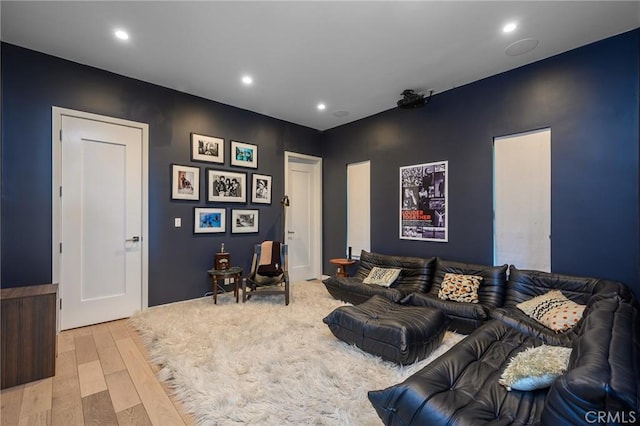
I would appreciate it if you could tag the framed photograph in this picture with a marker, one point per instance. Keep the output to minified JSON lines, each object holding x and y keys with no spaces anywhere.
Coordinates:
{"x":244,"y":154}
{"x":244,"y":221}
{"x":226,"y":187}
{"x":261,"y":189}
{"x":423,"y":202}
{"x":209,"y":221}
{"x":185,"y":182}
{"x":207,"y":148}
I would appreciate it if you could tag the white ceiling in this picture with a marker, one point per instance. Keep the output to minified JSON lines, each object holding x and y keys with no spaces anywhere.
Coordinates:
{"x":353,"y":56}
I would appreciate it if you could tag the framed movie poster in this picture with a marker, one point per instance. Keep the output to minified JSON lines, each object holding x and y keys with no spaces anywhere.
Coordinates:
{"x":207,"y":148}
{"x":226,"y":187}
{"x":423,"y":202}
{"x":261,"y":189}
{"x":185,"y":182}
{"x":244,"y":221}
{"x":244,"y":154}
{"x":208,"y":220}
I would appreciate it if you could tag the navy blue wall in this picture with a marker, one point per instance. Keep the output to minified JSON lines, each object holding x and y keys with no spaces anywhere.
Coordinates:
{"x":589,"y":99}
{"x":32,"y":83}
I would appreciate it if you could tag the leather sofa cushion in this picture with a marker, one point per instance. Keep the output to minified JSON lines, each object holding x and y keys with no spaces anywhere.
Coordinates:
{"x":465,"y":317}
{"x":352,"y":290}
{"x":416,"y":272}
{"x":493,"y":284}
{"x":517,"y":319}
{"x":526,"y":284}
{"x":401,"y":334}
{"x":461,"y":387}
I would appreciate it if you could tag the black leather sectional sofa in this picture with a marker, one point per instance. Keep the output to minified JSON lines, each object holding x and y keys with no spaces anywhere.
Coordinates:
{"x":600,"y":386}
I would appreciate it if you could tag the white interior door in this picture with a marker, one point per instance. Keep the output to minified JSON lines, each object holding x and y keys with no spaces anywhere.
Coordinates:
{"x":358,"y":208}
{"x":522,"y":198}
{"x":303,"y":225}
{"x":101,"y":221}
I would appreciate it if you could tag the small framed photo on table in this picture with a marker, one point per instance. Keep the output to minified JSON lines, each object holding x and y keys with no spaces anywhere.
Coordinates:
{"x":185,"y":182}
{"x":244,"y":221}
{"x":207,"y":148}
{"x":244,"y":154}
{"x":209,"y":221}
{"x":261,"y":185}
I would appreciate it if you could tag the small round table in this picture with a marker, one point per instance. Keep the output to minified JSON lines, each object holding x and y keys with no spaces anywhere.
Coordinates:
{"x":342,"y":264}
{"x":234,"y":272}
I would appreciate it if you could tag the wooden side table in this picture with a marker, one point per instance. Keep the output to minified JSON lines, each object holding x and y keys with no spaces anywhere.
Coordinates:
{"x":342,"y":264}
{"x":234,"y":272}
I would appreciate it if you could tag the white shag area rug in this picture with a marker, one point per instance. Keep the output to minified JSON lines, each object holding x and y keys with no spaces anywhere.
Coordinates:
{"x":264,"y":363}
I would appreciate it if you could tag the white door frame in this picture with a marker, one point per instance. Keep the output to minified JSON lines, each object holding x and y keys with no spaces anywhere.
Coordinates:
{"x":56,"y":139}
{"x":316,"y":228}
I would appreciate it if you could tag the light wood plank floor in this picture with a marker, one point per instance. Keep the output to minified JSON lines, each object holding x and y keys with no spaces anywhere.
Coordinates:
{"x":103,"y":377}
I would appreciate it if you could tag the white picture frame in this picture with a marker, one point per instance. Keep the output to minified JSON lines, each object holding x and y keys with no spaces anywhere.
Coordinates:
{"x":245,"y":221}
{"x":208,"y":149}
{"x":185,"y":182}
{"x":224,"y":186}
{"x":261,"y":189}
{"x":244,"y":154}
{"x":208,"y":220}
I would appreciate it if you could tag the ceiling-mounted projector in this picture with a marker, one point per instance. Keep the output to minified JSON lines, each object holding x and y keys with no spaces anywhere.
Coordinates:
{"x":411,"y":99}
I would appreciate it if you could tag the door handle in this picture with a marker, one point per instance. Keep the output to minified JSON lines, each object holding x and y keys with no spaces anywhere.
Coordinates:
{"x":133,"y":239}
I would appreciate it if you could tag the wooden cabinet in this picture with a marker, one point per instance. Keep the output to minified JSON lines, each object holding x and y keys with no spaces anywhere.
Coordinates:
{"x":28,"y":333}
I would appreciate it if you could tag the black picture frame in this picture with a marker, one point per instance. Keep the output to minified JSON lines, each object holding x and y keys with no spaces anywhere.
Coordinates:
{"x":261,"y":188}
{"x":244,"y":154}
{"x":209,"y":220}
{"x":207,"y":149}
{"x":185,"y":182}
{"x":226,"y":186}
{"x":245,"y":221}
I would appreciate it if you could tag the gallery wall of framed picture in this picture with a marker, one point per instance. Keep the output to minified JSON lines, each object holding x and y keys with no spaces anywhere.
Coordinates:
{"x":222,"y":185}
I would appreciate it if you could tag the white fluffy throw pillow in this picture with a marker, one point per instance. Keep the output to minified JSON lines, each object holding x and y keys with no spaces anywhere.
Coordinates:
{"x":535,"y":368}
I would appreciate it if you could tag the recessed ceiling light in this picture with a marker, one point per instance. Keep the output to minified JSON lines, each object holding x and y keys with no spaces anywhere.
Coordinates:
{"x":509,"y":27}
{"x":121,"y":34}
{"x":322,"y":106}
{"x":247,"y":80}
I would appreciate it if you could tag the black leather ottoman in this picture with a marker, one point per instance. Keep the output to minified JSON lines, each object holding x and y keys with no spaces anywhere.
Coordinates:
{"x":402,"y":334}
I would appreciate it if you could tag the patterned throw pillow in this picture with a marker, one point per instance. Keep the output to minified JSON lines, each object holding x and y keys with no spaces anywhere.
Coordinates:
{"x":553,"y":310}
{"x":382,"y":276}
{"x":460,"y":288}
{"x":535,"y":368}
